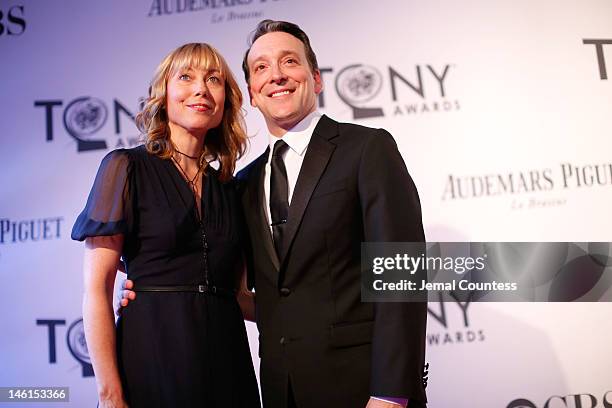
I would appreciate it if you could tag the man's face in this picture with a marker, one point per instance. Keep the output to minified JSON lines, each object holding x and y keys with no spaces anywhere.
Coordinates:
{"x":282,"y":85}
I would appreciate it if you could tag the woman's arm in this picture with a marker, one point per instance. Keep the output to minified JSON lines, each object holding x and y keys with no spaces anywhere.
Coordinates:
{"x":100,"y":267}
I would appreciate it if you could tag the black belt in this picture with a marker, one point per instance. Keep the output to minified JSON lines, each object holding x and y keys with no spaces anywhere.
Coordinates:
{"x":187,"y":288}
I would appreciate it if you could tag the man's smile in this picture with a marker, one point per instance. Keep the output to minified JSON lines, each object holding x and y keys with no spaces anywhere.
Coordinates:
{"x":280,"y":92}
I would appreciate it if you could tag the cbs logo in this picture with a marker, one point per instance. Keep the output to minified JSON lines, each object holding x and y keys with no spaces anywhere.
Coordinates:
{"x":12,"y":21}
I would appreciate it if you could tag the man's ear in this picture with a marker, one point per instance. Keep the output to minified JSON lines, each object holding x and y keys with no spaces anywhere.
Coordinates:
{"x":251,"y":96}
{"x":318,"y":81}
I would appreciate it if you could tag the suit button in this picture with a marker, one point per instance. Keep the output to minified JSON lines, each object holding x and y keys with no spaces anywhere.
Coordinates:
{"x":282,"y":340}
{"x":285,"y":292}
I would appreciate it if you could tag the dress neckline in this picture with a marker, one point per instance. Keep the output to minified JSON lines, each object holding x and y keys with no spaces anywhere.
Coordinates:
{"x":183,"y":189}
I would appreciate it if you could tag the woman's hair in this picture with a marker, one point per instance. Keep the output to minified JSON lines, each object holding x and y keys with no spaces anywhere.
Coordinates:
{"x":225,"y":143}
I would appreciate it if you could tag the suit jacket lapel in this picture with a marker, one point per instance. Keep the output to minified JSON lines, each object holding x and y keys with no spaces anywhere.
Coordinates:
{"x":317,"y":156}
{"x":259,"y":208}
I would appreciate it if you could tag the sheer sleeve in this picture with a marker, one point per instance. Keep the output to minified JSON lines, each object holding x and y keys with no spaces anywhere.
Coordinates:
{"x":109,"y":206}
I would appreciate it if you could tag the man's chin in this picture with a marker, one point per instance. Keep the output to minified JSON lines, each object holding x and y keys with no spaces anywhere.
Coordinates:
{"x":286,"y":121}
{"x":290,"y":118}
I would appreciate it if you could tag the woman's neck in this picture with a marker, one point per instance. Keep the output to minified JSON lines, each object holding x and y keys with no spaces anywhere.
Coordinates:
{"x":186,"y":142}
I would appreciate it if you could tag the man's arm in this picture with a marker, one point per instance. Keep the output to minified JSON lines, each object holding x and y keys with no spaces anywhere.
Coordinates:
{"x":245,"y":297}
{"x":391,"y":212}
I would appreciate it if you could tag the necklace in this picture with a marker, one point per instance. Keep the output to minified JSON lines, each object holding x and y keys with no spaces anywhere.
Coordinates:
{"x":192,"y":183}
{"x":185,"y":154}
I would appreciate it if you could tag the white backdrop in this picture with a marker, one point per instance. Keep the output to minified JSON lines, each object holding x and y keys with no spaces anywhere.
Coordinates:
{"x":499,"y":108}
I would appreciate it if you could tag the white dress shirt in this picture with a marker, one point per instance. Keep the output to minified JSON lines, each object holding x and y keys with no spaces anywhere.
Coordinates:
{"x":297,"y":138}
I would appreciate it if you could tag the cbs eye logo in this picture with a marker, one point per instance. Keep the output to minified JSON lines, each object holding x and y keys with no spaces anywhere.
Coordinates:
{"x":12,"y":21}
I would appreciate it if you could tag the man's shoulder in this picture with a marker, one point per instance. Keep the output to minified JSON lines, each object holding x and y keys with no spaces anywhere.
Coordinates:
{"x":247,"y":171}
{"x":354,"y":132}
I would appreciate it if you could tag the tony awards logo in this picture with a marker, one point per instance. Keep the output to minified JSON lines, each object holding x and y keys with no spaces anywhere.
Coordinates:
{"x":75,"y":340}
{"x":83,"y":117}
{"x":85,"y":121}
{"x":356,"y":85}
{"x":372,"y":92}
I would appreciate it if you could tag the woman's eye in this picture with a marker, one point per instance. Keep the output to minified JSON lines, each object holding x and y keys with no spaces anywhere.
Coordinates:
{"x":184,"y":77}
{"x":214,"y":79}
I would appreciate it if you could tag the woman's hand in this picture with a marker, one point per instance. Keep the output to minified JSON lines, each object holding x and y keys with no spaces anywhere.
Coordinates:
{"x":112,"y":402}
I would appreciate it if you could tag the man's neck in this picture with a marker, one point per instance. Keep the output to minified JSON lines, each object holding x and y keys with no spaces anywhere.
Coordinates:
{"x":299,"y":135}
{"x":280,"y":129}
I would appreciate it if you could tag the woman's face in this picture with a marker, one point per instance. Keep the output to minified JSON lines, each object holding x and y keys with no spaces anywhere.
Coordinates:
{"x":195,"y":100}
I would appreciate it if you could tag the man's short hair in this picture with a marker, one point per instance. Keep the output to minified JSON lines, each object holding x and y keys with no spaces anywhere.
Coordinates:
{"x":271,"y":26}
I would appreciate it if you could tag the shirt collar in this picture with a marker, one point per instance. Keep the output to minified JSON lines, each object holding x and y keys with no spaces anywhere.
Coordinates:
{"x":299,"y":136}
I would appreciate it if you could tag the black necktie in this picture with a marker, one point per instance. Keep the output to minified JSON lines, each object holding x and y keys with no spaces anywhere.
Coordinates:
{"x":279,"y":194}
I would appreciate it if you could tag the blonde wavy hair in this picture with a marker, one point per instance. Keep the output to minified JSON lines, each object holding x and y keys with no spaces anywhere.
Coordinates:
{"x":225,"y":143}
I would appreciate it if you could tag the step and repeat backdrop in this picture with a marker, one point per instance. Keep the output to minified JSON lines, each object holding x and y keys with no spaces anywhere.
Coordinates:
{"x":501,"y":109}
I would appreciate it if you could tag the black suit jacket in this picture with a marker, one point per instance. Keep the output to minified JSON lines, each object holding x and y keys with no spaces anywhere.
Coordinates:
{"x":314,"y":330}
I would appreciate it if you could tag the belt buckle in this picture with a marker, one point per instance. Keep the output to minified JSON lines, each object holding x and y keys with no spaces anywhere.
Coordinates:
{"x":201,"y":288}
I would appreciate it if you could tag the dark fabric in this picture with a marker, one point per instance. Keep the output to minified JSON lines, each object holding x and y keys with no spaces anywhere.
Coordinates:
{"x":174,"y":348}
{"x":353,"y":187}
{"x":108,"y":210}
{"x":290,"y":398}
{"x":279,"y":194}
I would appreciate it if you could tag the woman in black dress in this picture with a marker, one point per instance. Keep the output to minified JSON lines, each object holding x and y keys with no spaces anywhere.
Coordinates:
{"x":176,"y":223}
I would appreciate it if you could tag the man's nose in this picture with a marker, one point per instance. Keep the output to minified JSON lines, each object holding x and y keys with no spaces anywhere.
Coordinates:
{"x":277,"y":74}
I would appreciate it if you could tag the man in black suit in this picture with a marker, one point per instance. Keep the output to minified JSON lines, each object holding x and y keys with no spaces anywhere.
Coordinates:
{"x":310,"y":200}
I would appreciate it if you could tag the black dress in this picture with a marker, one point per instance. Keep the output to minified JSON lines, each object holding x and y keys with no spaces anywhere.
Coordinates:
{"x":175,"y":349}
